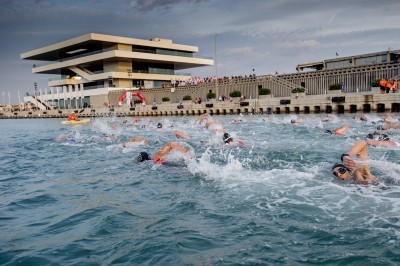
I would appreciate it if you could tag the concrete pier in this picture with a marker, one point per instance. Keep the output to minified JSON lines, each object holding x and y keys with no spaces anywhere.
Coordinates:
{"x":296,"y":104}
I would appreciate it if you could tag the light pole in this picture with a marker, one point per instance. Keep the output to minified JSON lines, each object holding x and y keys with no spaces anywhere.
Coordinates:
{"x":129,"y":76}
{"x":216,"y":66}
{"x":35,"y":86}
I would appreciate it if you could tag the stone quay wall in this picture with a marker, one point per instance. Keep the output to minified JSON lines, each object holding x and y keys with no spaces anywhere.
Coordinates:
{"x":265,"y":104}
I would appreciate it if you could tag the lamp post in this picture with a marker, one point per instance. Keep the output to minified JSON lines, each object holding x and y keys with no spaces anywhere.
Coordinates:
{"x":35,"y":86}
{"x":216,"y":66}
{"x":129,"y":76}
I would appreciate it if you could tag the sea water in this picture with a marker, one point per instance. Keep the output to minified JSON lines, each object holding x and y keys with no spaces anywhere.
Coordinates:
{"x":74,"y":195}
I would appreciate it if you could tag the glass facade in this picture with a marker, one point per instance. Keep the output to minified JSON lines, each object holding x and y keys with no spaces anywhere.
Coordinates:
{"x":371,"y":60}
{"x":151,"y":50}
{"x":338,"y":64}
{"x":173,"y":52}
{"x":153,"y":68}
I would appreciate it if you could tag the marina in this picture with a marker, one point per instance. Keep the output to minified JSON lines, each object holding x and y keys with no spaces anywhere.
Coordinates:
{"x":199,"y":133}
{"x":102,"y":75}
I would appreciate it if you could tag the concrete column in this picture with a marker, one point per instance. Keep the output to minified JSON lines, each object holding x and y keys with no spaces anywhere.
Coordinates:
{"x":58,"y":96}
{"x":82,"y":95}
{"x":70,"y":95}
{"x":76,"y":95}
{"x":64,"y":93}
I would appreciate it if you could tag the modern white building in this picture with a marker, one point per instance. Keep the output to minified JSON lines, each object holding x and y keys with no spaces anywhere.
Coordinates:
{"x":91,"y":66}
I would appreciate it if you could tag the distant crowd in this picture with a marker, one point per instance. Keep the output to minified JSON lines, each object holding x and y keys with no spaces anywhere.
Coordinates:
{"x":387,"y":86}
{"x":197,"y":80}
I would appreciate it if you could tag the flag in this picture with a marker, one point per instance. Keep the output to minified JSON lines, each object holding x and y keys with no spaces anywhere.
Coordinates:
{"x":9,"y":99}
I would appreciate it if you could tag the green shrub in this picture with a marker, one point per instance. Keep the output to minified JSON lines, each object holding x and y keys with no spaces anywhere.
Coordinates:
{"x":187,"y":98}
{"x":298,"y":90}
{"x":264,"y":91}
{"x":375,"y":83}
{"x":165,"y":99}
{"x":211,"y":95}
{"x":335,"y":86}
{"x":235,"y":94}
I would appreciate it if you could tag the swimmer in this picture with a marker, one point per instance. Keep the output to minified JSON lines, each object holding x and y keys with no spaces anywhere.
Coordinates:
{"x":203,"y":118}
{"x":134,"y":122}
{"x":219,"y":131}
{"x":181,"y":135}
{"x":364,"y":117}
{"x":159,"y":126}
{"x":350,"y":169}
{"x":328,"y":119}
{"x":383,"y":127}
{"x":111,"y":137}
{"x":136,"y":140}
{"x":388,"y":118}
{"x":388,"y":125}
{"x":159,"y":156}
{"x":65,"y":138}
{"x":229,"y":140}
{"x":380,"y":139}
{"x":295,"y":121}
{"x":338,"y":131}
{"x":236,"y":120}
{"x":212,"y":124}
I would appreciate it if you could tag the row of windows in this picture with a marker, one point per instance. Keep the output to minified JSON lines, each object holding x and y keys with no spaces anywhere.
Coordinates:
{"x":142,"y":49}
{"x":371,"y":60}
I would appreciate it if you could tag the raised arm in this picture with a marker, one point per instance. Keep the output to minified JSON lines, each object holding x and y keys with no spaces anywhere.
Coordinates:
{"x":359,"y":149}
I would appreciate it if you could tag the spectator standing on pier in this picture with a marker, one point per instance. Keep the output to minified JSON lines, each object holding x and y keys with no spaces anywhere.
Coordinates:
{"x":382,"y":85}
{"x":394,"y":86}
{"x":388,"y":86}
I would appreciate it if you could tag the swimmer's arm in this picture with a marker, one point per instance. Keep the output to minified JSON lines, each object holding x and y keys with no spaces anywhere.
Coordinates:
{"x":365,"y":178}
{"x":395,"y":126}
{"x":358,"y":176}
{"x":219,"y":131}
{"x":182,"y":135}
{"x":342,"y":129}
{"x":380,"y":143}
{"x":358,"y":149}
{"x":179,"y":148}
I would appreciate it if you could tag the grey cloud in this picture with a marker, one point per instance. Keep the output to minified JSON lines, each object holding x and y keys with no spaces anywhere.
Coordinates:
{"x":150,"y":5}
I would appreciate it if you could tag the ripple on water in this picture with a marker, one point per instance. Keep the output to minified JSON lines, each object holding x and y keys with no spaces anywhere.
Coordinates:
{"x":273,"y":201}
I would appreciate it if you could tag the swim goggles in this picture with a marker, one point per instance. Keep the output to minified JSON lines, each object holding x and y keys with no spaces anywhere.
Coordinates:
{"x":341,"y":171}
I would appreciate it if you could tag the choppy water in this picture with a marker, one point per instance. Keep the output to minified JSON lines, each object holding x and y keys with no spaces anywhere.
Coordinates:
{"x":274,"y":201}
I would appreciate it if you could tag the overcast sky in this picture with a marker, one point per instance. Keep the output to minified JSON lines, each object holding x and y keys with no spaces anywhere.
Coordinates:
{"x":263,"y":35}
